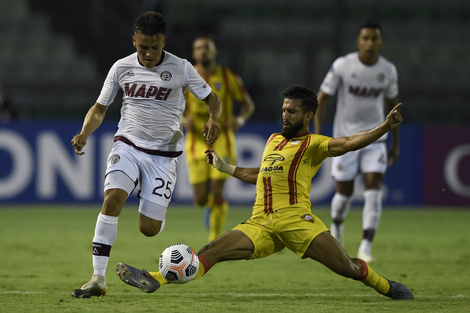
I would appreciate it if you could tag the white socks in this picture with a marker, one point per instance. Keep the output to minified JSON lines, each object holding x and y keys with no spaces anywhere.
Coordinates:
{"x":105,"y":235}
{"x":340,"y":206}
{"x":370,"y":218}
{"x":372,"y":209}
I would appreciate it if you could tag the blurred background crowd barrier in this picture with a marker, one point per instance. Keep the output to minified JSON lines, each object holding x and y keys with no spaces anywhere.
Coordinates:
{"x":38,"y":165}
{"x":54,"y":56}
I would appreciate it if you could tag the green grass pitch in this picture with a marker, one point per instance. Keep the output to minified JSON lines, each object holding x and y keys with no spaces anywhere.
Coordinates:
{"x":46,"y":253}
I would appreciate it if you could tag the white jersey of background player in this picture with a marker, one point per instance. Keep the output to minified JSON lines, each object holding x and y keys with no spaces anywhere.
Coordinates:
{"x":149,"y":138}
{"x":364,"y":82}
{"x":360,"y":91}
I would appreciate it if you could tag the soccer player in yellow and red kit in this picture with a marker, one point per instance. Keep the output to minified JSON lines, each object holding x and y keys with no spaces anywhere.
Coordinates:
{"x":282,"y":215}
{"x":207,"y":182}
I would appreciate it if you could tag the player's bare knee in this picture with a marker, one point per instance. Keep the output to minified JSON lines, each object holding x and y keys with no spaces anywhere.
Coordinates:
{"x":149,"y":231}
{"x":201,"y":200}
{"x":112,"y":204}
{"x":218,"y":198}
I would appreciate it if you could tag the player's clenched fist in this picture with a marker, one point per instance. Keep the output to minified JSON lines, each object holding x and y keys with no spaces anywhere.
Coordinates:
{"x":78,"y":142}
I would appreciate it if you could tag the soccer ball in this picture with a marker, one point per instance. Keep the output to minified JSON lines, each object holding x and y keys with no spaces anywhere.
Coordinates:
{"x":178,"y":263}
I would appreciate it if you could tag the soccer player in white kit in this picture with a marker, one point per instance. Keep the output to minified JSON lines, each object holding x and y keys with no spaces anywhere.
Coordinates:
{"x":364,"y":82}
{"x":149,"y":137}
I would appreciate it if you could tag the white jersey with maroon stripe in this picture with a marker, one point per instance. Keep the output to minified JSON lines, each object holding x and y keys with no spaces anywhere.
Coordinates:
{"x":153,"y":99}
{"x":361,"y":92}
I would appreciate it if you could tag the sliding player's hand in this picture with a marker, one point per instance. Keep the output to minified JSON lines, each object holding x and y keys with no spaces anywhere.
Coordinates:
{"x":216,"y":160}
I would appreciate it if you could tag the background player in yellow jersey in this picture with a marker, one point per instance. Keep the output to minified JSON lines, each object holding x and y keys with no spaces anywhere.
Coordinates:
{"x":282,"y":215}
{"x":208,"y":183}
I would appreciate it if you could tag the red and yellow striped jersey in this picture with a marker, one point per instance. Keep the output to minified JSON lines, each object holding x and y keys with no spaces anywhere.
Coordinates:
{"x":286,"y":172}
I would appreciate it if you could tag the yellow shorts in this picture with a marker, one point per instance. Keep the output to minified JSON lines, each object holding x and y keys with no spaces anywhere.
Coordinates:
{"x":199,"y":171}
{"x":271,"y":233}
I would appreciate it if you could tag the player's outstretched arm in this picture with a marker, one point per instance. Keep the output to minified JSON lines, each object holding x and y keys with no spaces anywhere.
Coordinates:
{"x":93,"y":120}
{"x":341,"y":145}
{"x":248,"y":175}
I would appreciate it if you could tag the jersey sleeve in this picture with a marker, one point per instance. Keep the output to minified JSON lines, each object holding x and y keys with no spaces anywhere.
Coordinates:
{"x":321,"y":151}
{"x":110,"y":87}
{"x":392,"y":89}
{"x":195,"y":83}
{"x":332,"y":78}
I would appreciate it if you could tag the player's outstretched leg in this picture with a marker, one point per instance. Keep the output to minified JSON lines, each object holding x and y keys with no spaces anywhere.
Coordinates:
{"x":95,"y":287}
{"x":399,"y":291}
{"x":137,"y":278}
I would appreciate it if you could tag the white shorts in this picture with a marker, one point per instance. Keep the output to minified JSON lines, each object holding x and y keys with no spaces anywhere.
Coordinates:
{"x":370,"y":159}
{"x":155,"y":174}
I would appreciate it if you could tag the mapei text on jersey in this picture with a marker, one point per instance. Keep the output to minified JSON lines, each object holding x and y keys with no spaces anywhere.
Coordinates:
{"x":161,"y":93}
{"x":365,"y":92}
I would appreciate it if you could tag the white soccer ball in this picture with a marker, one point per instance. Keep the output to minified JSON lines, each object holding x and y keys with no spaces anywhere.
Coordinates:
{"x":178,"y":263}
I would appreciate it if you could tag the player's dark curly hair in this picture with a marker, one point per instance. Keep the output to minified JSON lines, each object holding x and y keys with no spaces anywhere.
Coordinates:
{"x":150,"y":23}
{"x":308,"y":97}
{"x":371,"y":24}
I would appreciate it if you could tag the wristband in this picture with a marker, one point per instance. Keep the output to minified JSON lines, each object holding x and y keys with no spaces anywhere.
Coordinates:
{"x":228,"y":168}
{"x":220,"y":164}
{"x":241,"y":121}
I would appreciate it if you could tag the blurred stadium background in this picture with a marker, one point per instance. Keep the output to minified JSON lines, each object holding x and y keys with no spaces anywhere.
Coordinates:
{"x":54,"y":56}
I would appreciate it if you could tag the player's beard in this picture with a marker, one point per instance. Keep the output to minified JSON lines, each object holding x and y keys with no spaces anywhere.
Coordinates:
{"x":291,"y":131}
{"x":206,"y":62}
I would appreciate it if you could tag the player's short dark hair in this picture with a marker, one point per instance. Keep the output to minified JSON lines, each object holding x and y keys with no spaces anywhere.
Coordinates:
{"x":150,"y":23}
{"x":371,"y":24}
{"x":308,"y":98}
{"x":206,"y":37}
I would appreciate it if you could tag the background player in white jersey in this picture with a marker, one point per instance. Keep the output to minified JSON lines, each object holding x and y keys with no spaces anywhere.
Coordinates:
{"x":364,"y":82}
{"x":149,"y":137}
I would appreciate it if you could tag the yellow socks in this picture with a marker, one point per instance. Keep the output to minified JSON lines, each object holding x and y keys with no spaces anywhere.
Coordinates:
{"x":159,"y":277}
{"x":217,"y":219}
{"x":372,"y":279}
{"x":217,"y":216}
